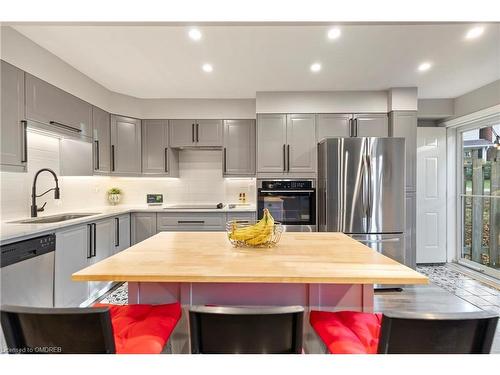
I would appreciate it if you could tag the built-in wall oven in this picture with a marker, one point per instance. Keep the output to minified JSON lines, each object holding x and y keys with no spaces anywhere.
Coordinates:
{"x":291,"y":202}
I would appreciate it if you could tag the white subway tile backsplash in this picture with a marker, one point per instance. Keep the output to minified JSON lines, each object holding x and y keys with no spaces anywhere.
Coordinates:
{"x":200,"y":181}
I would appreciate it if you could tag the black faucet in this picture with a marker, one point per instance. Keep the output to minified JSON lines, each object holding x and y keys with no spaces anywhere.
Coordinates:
{"x":34,"y":208}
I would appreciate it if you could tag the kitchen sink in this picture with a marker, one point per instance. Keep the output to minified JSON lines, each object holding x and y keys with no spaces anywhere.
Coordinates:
{"x":54,"y":218}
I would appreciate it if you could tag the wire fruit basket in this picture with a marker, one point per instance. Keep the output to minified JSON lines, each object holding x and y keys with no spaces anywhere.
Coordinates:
{"x":249,"y":233}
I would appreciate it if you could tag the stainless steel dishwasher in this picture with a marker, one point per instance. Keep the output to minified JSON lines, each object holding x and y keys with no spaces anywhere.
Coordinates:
{"x":27,"y":274}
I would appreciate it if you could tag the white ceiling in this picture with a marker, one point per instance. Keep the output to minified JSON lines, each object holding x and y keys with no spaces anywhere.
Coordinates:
{"x":162,"y":62}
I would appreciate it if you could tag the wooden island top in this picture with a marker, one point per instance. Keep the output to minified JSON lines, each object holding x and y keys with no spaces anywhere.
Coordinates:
{"x":208,"y":257}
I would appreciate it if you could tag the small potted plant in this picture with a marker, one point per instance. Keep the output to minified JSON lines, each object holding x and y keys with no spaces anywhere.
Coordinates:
{"x":114,"y":195}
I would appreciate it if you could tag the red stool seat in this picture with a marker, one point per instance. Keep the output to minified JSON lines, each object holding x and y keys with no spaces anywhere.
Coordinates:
{"x":142,"y":329}
{"x":347,"y":332}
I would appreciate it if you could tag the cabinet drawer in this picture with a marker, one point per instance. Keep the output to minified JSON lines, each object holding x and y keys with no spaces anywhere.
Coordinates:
{"x":241,"y":216}
{"x":187,"y":221}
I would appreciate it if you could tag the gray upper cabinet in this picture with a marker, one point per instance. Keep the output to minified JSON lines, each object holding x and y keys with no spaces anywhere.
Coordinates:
{"x":195,"y":133}
{"x":125,"y":145}
{"x":370,"y":125}
{"x":48,"y":104}
{"x":101,"y":130}
{"x":13,"y":147}
{"x":404,"y":124}
{"x":301,"y":143}
{"x":157,"y":157}
{"x":239,"y":148}
{"x":333,"y":125}
{"x":271,"y":143}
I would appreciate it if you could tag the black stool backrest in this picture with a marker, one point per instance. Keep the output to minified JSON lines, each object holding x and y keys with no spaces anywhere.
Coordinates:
{"x":241,"y":330}
{"x":437,"y":333}
{"x":53,"y":331}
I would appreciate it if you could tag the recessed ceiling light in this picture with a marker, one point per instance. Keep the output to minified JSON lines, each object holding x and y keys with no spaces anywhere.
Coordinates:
{"x":208,"y":68}
{"x":475,"y":32}
{"x":334,"y":33}
{"x":195,"y":34}
{"x":316,"y":67}
{"x":424,"y":66}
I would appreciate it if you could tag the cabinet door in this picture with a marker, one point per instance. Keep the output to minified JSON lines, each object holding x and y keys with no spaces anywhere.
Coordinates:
{"x":143,"y":226}
{"x":72,"y":255}
{"x":374,"y":125}
{"x":301,"y":143}
{"x":103,"y":247}
{"x":208,"y":133}
{"x":48,"y":104}
{"x":101,"y":129}
{"x":239,"y":148}
{"x":13,"y":147}
{"x":334,"y":125}
{"x":121,"y":233}
{"x":271,"y":143}
{"x":125,"y":145}
{"x":158,"y":158}
{"x":404,"y":124}
{"x":182,"y":133}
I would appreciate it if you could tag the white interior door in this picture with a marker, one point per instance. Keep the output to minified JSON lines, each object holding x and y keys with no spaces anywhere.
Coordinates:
{"x":431,"y":195}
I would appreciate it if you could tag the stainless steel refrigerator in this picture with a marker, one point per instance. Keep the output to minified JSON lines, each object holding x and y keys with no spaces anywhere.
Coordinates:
{"x":361,"y":191}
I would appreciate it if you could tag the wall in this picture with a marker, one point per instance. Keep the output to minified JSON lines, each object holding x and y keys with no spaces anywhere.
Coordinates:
{"x":200,"y":181}
{"x":30,"y":57}
{"x":435,"y":108}
{"x":484,"y":97}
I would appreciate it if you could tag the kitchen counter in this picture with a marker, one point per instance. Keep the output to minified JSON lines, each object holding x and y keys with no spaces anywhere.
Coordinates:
{"x":10,"y":232}
{"x":209,"y":257}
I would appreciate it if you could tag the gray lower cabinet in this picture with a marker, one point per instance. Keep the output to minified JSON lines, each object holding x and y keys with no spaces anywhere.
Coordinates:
{"x":404,"y":124}
{"x":333,"y":125}
{"x":121,"y":239}
{"x":48,"y":104}
{"x":143,"y":226}
{"x":102,"y":248}
{"x":72,"y":255}
{"x":241,"y":216}
{"x":187,"y":221}
{"x":13,"y":136}
{"x":125,"y":145}
{"x":370,"y":125}
{"x":195,"y":133}
{"x":301,"y":143}
{"x":158,"y":158}
{"x":101,"y":136}
{"x":271,"y":143}
{"x":238,"y":154}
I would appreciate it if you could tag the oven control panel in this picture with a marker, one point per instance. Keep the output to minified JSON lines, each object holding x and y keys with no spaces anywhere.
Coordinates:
{"x":287,"y":184}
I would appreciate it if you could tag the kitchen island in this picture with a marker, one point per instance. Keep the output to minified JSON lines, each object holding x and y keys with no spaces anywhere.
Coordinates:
{"x":322,"y":271}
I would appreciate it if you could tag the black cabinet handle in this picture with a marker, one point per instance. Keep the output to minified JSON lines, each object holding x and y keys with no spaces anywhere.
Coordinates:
{"x":284,"y":158}
{"x":190,"y":221}
{"x":288,"y":158}
{"x":25,"y":141}
{"x":96,"y":142}
{"x":166,"y":159}
{"x":117,"y":232}
{"x":113,"y":158}
{"x":224,"y":160}
{"x":95,"y":241}
{"x":89,"y":245}
{"x":197,"y":132}
{"x":64,"y":126}
{"x":192,"y":132}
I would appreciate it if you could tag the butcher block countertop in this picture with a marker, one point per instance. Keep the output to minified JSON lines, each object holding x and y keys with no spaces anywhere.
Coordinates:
{"x":308,"y":258}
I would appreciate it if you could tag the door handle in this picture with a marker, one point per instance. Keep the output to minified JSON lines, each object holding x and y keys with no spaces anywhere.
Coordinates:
{"x":117,"y":232}
{"x":197,"y":132}
{"x":95,"y":241}
{"x":224,"y":160}
{"x":192,"y":133}
{"x":25,"y":141}
{"x":89,"y":244}
{"x":288,"y":158}
{"x":284,"y":158}
{"x":96,"y":142}
{"x":166,"y":159}
{"x":113,"y":158}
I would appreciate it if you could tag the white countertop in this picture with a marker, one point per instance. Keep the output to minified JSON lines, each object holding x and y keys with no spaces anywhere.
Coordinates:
{"x":13,"y":231}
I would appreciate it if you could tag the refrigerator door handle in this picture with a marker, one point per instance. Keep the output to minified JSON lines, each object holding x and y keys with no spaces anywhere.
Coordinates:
{"x":369,"y":171}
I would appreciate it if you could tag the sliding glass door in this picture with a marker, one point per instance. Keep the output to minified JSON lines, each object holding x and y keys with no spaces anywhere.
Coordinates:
{"x":480,"y":198}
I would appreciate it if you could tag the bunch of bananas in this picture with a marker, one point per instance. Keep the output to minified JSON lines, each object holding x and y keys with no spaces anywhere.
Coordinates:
{"x":254,"y":235}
